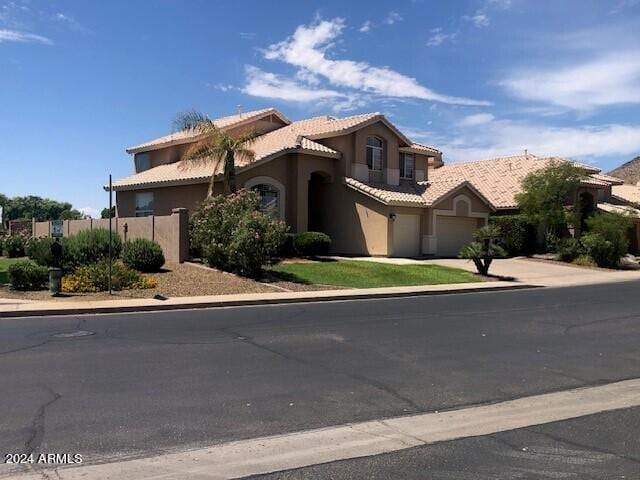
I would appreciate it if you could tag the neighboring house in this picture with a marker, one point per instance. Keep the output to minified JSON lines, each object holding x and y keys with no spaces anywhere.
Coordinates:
{"x":358,"y":179}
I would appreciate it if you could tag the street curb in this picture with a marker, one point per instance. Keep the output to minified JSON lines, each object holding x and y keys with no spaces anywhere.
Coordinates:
{"x":62,"y":310}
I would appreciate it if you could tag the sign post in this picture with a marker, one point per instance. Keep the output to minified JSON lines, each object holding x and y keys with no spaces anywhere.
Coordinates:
{"x":55,"y":271}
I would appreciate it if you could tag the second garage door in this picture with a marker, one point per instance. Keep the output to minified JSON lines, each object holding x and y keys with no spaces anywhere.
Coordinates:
{"x":453,"y":233}
{"x":406,"y":236}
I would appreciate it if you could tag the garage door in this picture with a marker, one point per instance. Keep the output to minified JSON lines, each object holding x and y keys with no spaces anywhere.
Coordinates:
{"x":453,"y":233}
{"x":406,"y":236}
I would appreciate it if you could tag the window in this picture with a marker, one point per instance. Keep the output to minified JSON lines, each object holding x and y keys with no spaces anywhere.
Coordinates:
{"x":143,"y":162}
{"x":406,"y":165}
{"x":144,"y":204}
{"x":374,"y":153}
{"x":269,"y":199}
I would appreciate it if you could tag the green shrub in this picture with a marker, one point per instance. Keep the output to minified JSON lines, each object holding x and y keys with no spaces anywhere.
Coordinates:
{"x":234,"y":235}
{"x":89,"y":246}
{"x":585,"y":261}
{"x":28,"y":275}
{"x":286,"y":249}
{"x":601,"y":250}
{"x":614,"y":228}
{"x":95,"y":278}
{"x":143,"y":255}
{"x":517,"y":235}
{"x":568,"y":249}
{"x":14,"y":246}
{"x":311,"y":244}
{"x":39,"y":250}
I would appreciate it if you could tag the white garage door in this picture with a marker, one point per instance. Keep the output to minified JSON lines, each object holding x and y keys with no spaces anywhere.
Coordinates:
{"x":406,"y":236}
{"x":453,"y":233}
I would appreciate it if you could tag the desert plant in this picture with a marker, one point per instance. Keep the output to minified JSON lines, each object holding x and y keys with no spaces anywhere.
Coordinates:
{"x":613,"y":227}
{"x":234,"y":235}
{"x":311,"y":244}
{"x":517,"y":235}
{"x":484,"y":248}
{"x":90,"y":246}
{"x":14,"y":246}
{"x":94,"y":277}
{"x":213,"y":147}
{"x":143,"y":255}
{"x":28,"y":275}
{"x":39,"y":250}
{"x":585,"y":261}
{"x":601,"y":250}
{"x":568,"y":249}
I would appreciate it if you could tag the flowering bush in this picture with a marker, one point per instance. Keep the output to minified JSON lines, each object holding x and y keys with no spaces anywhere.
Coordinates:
{"x":233,"y":235}
{"x":13,"y":246}
{"x":94,"y":278}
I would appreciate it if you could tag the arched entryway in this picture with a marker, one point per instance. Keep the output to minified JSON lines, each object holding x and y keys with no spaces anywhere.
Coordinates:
{"x":318,"y":201}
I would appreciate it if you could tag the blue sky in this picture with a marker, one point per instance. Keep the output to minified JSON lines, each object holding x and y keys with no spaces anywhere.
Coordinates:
{"x":82,"y":80}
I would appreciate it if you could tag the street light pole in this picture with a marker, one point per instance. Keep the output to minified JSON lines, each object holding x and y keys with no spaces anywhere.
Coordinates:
{"x":110,"y":230}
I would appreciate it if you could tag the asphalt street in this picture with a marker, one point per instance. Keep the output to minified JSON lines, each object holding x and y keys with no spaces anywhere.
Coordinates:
{"x":143,"y":384}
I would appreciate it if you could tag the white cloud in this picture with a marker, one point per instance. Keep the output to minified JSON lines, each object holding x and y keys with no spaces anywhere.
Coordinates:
{"x":479,"y":19}
{"x":308,"y":48}
{"x":269,"y":85}
{"x":624,"y":5}
{"x":438,"y":37}
{"x":365,"y":27}
{"x":507,"y":137}
{"x":392,"y":17}
{"x":90,"y":212}
{"x":23,"y":37}
{"x":608,"y":80}
{"x":247,"y":35}
{"x":477,"y":119}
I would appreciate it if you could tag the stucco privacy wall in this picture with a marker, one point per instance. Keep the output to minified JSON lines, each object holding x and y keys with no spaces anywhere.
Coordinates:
{"x":170,"y":231}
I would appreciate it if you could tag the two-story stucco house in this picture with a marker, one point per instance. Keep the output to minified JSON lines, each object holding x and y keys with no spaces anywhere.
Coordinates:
{"x":359,"y":179}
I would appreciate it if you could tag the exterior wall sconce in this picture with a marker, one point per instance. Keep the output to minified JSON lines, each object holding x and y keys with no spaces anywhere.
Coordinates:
{"x":392,"y":216}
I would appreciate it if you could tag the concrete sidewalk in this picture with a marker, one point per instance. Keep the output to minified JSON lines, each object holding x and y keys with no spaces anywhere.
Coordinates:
{"x":249,"y":299}
{"x":526,"y":270}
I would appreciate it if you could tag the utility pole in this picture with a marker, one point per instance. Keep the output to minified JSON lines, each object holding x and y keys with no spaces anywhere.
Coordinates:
{"x":110,"y":231}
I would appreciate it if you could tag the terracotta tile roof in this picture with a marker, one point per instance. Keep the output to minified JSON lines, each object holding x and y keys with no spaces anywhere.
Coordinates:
{"x":409,"y":194}
{"x":500,"y":179}
{"x":626,"y":193}
{"x":415,"y":194}
{"x":607,"y":178}
{"x":623,"y":209}
{"x":222,"y":122}
{"x":420,"y":148}
{"x":266,"y":146}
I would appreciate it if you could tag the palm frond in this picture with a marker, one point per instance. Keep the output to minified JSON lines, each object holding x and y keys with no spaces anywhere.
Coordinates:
{"x":193,"y":121}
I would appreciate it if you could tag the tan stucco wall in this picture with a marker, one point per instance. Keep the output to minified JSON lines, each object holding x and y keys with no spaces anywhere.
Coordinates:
{"x":165,"y":199}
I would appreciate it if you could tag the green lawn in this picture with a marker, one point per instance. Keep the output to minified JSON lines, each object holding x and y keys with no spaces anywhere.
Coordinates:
{"x":363,"y":274}
{"x":4,"y":265}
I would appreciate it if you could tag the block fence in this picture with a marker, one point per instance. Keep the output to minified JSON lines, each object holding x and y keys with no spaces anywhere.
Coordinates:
{"x":170,"y":231}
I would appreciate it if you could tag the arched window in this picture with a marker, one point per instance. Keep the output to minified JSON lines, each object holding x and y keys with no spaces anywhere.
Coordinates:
{"x":374,"y":153}
{"x":269,"y":199}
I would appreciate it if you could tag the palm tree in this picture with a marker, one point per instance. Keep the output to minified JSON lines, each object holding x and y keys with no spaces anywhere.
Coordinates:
{"x":213,"y":146}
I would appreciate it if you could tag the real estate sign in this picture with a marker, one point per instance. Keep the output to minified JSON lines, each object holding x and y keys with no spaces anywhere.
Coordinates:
{"x":56,"y":228}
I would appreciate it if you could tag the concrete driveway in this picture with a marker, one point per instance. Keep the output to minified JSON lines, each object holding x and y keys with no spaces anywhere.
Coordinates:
{"x":535,"y":272}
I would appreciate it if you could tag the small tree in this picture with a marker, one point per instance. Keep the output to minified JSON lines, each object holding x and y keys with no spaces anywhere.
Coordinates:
{"x":612,"y":228}
{"x":484,"y":249}
{"x":545,"y":194}
{"x":214,"y":147}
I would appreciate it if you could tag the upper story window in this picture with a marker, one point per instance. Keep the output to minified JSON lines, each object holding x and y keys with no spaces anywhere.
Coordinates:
{"x":143,"y":162}
{"x":374,"y":153}
{"x":144,"y":204}
{"x":269,"y":199}
{"x":407,"y":165}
